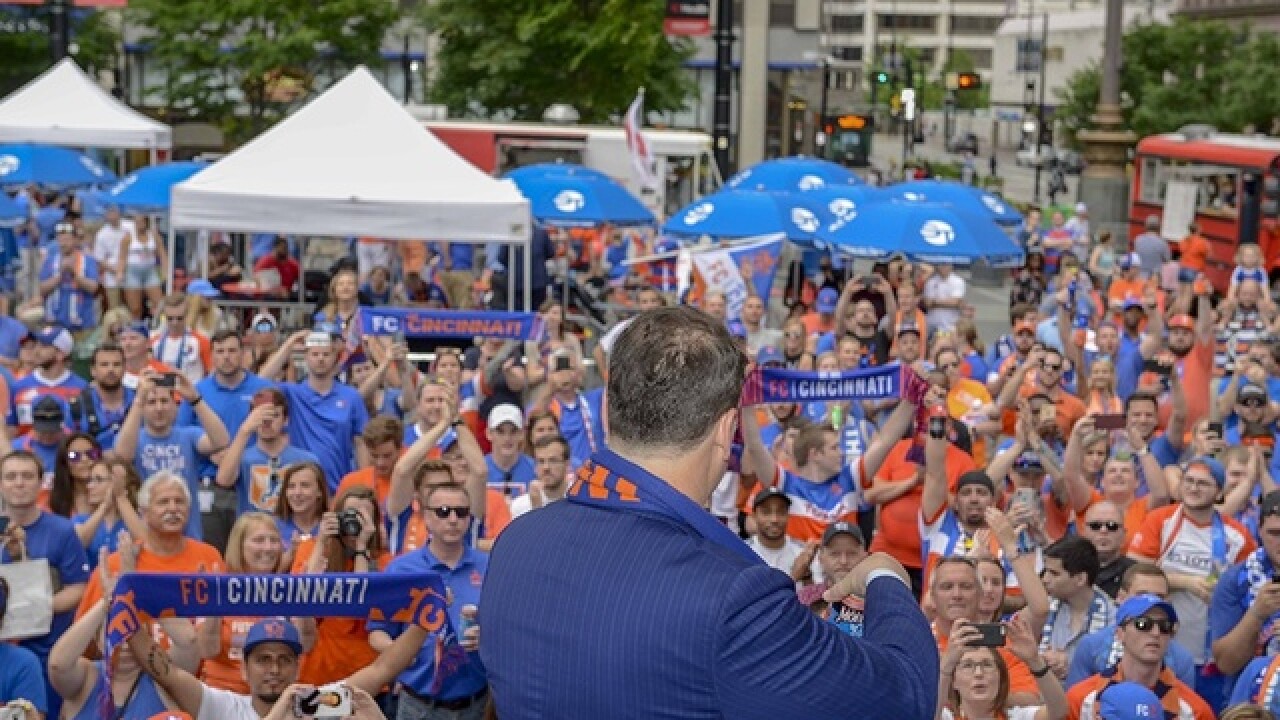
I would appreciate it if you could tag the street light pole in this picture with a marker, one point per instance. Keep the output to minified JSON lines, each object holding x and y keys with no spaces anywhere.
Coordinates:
{"x":822,"y":109}
{"x":723,"y":83}
{"x":1041,"y":134}
{"x":59,"y":29}
{"x":1104,"y":186}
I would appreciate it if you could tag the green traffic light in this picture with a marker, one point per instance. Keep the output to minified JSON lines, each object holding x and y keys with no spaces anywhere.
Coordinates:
{"x":882,"y":77}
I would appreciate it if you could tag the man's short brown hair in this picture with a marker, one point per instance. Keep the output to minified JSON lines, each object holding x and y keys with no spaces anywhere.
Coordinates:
{"x":382,"y":430}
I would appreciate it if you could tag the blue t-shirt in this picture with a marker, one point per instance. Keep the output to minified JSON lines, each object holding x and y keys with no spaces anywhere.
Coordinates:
{"x":1128,"y":365}
{"x":1093,"y":651}
{"x":109,"y":421}
{"x":176,"y":453}
{"x":513,"y":482}
{"x":22,"y":678}
{"x":579,"y":426}
{"x":325,"y":425}
{"x":232,"y":405}
{"x":461,"y":255}
{"x":391,"y":404}
{"x":1249,"y":682}
{"x":54,"y":538}
{"x":461,"y":674}
{"x":259,"y":484}
{"x":106,"y":536}
{"x":25,"y":391}
{"x":68,"y":305}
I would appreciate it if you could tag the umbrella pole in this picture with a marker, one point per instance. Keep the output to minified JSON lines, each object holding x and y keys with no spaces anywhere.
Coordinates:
{"x":173,"y":243}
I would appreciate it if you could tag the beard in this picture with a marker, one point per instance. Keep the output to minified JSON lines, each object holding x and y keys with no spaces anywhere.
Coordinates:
{"x":111,"y":386}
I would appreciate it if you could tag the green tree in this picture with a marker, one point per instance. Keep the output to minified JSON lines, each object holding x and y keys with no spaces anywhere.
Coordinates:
{"x":1183,"y":73}
{"x":243,"y":64}
{"x":499,"y":57}
{"x":24,"y":44}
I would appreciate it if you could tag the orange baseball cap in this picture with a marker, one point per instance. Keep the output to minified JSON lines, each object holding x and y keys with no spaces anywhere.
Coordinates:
{"x":1182,"y":320}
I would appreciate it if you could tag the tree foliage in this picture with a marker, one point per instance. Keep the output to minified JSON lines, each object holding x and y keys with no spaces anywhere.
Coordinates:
{"x":243,"y":64}
{"x":1183,"y":73}
{"x":24,"y":44}
{"x":516,"y":58}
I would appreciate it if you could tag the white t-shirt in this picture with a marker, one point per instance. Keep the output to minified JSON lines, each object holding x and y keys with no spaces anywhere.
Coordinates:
{"x":782,"y":558}
{"x":224,"y":705}
{"x":724,"y":500}
{"x":106,"y":250}
{"x":1026,"y":712}
{"x":524,"y":504}
{"x":952,"y":288}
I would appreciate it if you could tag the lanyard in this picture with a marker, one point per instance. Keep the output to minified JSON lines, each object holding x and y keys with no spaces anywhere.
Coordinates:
{"x":1218,"y":555}
{"x":1098,"y":618}
{"x":182,"y":348}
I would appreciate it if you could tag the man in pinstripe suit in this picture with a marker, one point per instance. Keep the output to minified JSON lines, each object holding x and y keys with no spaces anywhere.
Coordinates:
{"x":629,"y":600}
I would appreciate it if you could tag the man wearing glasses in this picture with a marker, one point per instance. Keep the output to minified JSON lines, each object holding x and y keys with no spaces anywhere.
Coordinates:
{"x":1194,"y":544}
{"x":433,"y":684}
{"x":1145,"y":626}
{"x":1048,"y":366}
{"x":1104,"y":527}
{"x":69,"y":282}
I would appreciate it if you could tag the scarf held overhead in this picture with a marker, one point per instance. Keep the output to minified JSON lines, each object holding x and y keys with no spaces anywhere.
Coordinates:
{"x":428,"y":323}
{"x":418,"y":599}
{"x":766,"y":385}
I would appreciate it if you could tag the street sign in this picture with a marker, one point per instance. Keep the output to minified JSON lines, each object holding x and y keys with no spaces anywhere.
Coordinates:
{"x":688,"y":18}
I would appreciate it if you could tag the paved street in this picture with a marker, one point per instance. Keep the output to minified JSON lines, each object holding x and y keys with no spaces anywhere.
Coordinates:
{"x":1019,"y":181}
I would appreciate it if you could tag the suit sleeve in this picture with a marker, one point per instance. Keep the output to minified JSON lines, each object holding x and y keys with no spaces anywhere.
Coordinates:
{"x":778,"y":659}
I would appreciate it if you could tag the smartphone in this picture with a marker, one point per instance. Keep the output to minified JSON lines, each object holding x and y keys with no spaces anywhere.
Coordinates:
{"x":1110,"y":421}
{"x":329,"y":701}
{"x":167,"y":380}
{"x":1215,"y":429}
{"x":992,"y":635}
{"x":937,"y":427}
{"x":563,"y":363}
{"x":1028,"y":497}
{"x":1048,"y":413}
{"x":1156,"y":367}
{"x":4,"y":525}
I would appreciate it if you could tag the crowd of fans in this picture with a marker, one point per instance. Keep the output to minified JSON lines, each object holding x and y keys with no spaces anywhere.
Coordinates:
{"x":1086,"y":504}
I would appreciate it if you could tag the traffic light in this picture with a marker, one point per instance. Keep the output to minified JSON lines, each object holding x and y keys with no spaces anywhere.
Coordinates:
{"x":882,"y":78}
{"x":968,"y":81}
{"x":853,"y":122}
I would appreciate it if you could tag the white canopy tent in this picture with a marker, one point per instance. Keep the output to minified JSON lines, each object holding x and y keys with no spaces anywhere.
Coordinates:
{"x":352,"y":162}
{"x":66,"y":107}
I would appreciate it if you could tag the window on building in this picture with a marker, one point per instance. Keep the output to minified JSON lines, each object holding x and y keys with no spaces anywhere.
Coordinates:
{"x":1053,"y":54}
{"x":908,"y":22}
{"x":848,"y":54}
{"x":782,"y":13}
{"x":846,"y":23}
{"x":974,"y":24}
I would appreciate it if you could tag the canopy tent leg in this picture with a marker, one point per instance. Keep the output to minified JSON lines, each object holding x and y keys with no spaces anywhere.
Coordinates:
{"x":528,"y":277}
{"x":173,"y":244}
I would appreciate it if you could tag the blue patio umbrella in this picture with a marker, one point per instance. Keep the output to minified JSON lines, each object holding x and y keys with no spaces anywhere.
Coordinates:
{"x":11,"y":213}
{"x":793,"y":174}
{"x":743,"y":213}
{"x":958,"y":195}
{"x":147,"y":189}
{"x":49,"y":165}
{"x":562,"y":194}
{"x":836,"y":205}
{"x":923,"y":232}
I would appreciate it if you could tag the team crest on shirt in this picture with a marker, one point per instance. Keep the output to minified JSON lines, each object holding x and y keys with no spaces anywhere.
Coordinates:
{"x":476,"y":578}
{"x":340,"y":404}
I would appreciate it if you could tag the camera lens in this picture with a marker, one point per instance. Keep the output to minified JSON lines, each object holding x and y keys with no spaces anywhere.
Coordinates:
{"x":349,"y":523}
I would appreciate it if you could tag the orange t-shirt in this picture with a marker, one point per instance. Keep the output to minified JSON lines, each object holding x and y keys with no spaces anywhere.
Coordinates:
{"x":814,"y":324}
{"x":1020,"y":678}
{"x":1195,"y":252}
{"x":1081,"y":690}
{"x":223,"y":672}
{"x":365,"y":477}
{"x":194,"y":557}
{"x":965,"y":397}
{"x":342,"y":644}
{"x":899,"y":519}
{"x":1195,"y":372}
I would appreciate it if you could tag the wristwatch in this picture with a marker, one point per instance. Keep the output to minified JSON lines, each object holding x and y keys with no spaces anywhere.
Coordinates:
{"x":1042,"y":671}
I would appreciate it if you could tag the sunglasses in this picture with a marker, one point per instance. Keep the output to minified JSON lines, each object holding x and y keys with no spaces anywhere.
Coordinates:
{"x":1144,"y":624}
{"x":1051,"y":367}
{"x":1109,"y":526}
{"x":1253,"y":403}
{"x":78,"y":456}
{"x":461,"y":511}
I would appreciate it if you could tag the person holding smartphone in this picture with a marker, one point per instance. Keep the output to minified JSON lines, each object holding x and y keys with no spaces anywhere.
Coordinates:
{"x":974,"y":681}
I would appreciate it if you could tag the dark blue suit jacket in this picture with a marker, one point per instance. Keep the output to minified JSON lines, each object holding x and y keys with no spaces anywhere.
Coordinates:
{"x":591,"y":612}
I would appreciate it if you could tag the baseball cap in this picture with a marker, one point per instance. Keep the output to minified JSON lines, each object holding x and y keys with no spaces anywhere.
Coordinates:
{"x":768,"y":494}
{"x":1128,"y":701}
{"x":976,"y":477}
{"x":845,"y":528}
{"x":277,"y":630}
{"x":506,"y":413}
{"x":319,"y":338}
{"x":1129,"y":260}
{"x":264,"y":323}
{"x":1270,"y":504}
{"x":1213,"y":466}
{"x":1133,"y":303}
{"x":1182,"y":320}
{"x":139,"y":328}
{"x":203,"y":288}
{"x":1028,"y":461}
{"x":908,"y":328}
{"x":1140,"y":605}
{"x":827,"y":300}
{"x":58,"y":337}
{"x":770,"y":354}
{"x":1023,"y":325}
{"x":47,"y":415}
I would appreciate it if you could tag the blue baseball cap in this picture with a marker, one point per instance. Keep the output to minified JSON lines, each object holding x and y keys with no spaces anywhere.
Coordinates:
{"x":203,"y":288}
{"x":1128,"y":701}
{"x":277,"y":630}
{"x":139,"y":327}
{"x":1140,"y":605}
{"x":827,"y":300}
{"x":1133,"y":303}
{"x":1213,"y":466}
{"x":770,"y":354}
{"x":55,"y":336}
